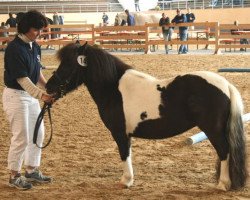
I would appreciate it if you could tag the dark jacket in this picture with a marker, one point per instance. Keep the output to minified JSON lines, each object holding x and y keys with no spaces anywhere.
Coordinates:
{"x":11,"y":22}
{"x":190,"y":17}
{"x":180,"y":19}
{"x":163,"y":22}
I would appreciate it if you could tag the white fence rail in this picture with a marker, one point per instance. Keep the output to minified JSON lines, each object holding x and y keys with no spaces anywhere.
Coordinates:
{"x":202,"y":4}
{"x":76,"y":7}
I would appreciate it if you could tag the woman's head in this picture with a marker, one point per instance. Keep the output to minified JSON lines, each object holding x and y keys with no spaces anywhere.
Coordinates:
{"x":31,"y":20}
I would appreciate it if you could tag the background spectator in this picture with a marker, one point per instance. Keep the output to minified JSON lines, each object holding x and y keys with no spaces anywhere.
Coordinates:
{"x":11,"y":22}
{"x":56,"y":21}
{"x":105,"y":19}
{"x":183,"y":30}
{"x":130,"y":18}
{"x":190,"y":16}
{"x":3,"y":34}
{"x":116,"y":20}
{"x":166,"y":31}
{"x":137,"y":7}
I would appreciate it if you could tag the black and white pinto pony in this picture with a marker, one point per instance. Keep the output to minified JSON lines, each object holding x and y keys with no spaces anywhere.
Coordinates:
{"x":135,"y":104}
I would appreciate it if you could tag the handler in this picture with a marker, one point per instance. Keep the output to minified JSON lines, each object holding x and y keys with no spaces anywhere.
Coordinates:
{"x":20,"y":100}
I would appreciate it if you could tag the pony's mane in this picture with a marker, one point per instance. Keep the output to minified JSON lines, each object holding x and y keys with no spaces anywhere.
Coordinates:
{"x":68,"y":53}
{"x":104,"y":67}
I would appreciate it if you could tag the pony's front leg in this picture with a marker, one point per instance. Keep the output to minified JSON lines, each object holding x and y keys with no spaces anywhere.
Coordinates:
{"x":127,"y":179}
{"x":123,"y":142}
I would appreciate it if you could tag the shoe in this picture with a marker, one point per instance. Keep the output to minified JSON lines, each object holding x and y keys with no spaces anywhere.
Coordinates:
{"x":38,"y":177}
{"x":20,"y":182}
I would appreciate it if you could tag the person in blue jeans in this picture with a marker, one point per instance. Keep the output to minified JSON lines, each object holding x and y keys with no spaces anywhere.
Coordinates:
{"x":183,"y":30}
{"x":166,"y":31}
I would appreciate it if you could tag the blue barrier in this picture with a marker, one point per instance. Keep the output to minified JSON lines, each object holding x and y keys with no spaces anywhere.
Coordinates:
{"x":202,"y":136}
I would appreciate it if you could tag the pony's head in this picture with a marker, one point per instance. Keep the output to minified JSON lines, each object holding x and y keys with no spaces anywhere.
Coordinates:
{"x":84,"y":64}
{"x":70,"y":73}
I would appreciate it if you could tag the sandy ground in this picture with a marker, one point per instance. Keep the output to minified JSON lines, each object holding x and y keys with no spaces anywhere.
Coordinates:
{"x":83,"y":158}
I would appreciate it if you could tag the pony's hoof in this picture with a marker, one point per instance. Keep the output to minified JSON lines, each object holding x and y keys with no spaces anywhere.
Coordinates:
{"x":126,"y":181}
{"x":224,"y":186}
{"x":120,"y":186}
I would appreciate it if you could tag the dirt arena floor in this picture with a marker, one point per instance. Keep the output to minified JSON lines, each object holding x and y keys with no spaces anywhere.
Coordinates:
{"x":83,"y":158}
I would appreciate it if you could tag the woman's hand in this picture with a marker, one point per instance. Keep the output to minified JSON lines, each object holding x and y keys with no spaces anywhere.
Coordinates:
{"x":47,"y":98}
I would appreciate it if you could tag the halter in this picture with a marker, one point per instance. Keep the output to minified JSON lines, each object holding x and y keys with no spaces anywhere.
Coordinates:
{"x":63,"y":84}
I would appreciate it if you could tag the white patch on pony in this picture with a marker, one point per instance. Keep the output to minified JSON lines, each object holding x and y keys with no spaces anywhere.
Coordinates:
{"x":141,"y":18}
{"x":224,"y":180}
{"x":214,"y":79}
{"x":139,"y":94}
{"x":128,"y":174}
{"x":81,"y":60}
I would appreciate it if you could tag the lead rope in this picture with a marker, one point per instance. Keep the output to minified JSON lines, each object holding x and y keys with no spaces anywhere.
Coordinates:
{"x":46,"y":107}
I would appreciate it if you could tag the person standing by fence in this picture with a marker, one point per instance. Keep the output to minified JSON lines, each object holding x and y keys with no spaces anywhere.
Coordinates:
{"x":3,"y":27}
{"x":130,"y":18}
{"x":56,"y":21}
{"x":105,"y":19}
{"x":166,"y":31}
{"x":190,"y":16}
{"x":183,"y":30}
{"x":11,"y":22}
{"x":137,"y":6}
{"x":190,"y":19}
{"x":22,"y":73}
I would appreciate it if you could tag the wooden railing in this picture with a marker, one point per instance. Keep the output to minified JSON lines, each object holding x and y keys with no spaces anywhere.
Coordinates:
{"x":233,"y":36}
{"x":216,"y":35}
{"x":115,"y":37}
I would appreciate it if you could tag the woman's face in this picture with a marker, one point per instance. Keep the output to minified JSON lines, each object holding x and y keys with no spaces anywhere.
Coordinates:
{"x":33,"y":33}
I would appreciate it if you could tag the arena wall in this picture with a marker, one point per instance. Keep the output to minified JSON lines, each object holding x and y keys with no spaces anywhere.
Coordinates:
{"x":223,"y":16}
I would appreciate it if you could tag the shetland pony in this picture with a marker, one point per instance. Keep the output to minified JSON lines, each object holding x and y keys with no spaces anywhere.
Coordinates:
{"x":135,"y":104}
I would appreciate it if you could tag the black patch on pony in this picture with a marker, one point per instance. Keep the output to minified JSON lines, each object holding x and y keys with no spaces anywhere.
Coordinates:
{"x":159,"y":88}
{"x":186,"y":102}
{"x":144,"y":115}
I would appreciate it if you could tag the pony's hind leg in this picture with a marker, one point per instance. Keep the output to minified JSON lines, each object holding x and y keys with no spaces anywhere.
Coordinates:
{"x":220,"y":143}
{"x":224,"y":179}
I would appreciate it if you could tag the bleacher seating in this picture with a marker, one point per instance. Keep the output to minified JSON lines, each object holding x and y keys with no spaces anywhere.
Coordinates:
{"x":64,"y":6}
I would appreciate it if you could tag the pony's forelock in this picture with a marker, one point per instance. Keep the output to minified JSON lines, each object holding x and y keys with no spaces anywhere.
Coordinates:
{"x":67,"y":52}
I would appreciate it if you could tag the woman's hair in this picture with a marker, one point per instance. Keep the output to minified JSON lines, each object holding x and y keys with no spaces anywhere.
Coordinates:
{"x":31,"y":19}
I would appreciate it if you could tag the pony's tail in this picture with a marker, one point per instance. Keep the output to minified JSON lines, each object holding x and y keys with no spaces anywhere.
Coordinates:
{"x":236,"y":138}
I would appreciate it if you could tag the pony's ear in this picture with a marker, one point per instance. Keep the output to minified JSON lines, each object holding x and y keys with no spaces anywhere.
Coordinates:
{"x":85,"y":44}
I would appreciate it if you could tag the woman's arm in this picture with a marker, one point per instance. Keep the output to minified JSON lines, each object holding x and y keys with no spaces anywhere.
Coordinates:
{"x":42,"y":81}
{"x":33,"y":90}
